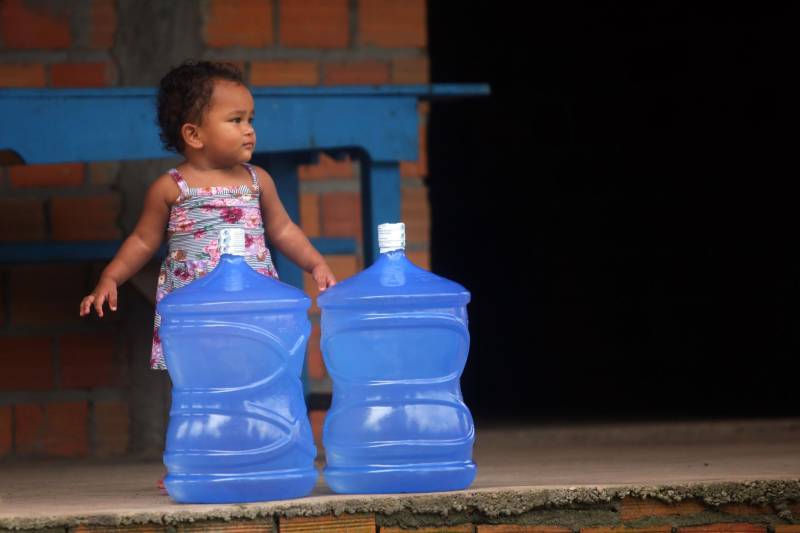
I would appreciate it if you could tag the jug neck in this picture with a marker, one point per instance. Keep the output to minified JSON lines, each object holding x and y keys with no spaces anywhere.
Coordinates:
{"x":393,"y":255}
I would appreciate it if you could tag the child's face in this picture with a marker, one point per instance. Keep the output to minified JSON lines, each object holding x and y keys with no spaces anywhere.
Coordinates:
{"x":227,"y":129}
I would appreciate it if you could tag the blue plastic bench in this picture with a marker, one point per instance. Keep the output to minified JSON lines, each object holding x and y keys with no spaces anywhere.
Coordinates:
{"x":378,"y":125}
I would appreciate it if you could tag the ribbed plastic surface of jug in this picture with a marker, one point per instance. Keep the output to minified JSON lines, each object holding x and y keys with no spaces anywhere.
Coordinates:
{"x":395,"y":341}
{"x":234,"y":343}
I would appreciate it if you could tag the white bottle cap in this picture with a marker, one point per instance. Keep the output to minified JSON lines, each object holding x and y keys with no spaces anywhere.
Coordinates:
{"x":391,"y":237}
{"x":231,"y":241}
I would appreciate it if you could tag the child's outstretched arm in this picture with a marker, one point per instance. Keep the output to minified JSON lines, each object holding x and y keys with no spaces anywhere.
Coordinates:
{"x":288,"y":237}
{"x":137,"y":249}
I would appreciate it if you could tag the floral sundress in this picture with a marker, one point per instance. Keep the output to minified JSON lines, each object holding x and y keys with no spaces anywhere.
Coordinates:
{"x":195,"y":221}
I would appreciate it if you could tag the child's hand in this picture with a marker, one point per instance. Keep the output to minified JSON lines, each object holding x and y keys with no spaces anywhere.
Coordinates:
{"x":106,"y":290}
{"x":323,"y":276}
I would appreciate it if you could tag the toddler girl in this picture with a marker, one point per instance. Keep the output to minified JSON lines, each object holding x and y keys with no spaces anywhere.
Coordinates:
{"x":205,"y":113}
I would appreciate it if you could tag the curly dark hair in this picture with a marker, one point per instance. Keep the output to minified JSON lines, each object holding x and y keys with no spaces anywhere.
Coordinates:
{"x":183,"y":95}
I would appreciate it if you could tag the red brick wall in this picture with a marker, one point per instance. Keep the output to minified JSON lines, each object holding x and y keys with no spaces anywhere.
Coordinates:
{"x":63,"y":379}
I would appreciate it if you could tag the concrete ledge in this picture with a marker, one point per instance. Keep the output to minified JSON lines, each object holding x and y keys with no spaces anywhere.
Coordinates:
{"x":764,"y":502}
{"x":572,"y":507}
{"x":527,"y":477}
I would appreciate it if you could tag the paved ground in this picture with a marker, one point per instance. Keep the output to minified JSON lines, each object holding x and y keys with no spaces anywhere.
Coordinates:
{"x":511,"y":460}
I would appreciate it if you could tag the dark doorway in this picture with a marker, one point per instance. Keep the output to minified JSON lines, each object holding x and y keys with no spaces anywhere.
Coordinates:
{"x":622,"y":207}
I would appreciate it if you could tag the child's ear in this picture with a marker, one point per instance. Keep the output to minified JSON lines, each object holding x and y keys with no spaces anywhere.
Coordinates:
{"x":191,"y":136}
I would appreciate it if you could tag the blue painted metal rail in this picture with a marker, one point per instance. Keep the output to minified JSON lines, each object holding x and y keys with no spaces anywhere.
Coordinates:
{"x":378,"y":125}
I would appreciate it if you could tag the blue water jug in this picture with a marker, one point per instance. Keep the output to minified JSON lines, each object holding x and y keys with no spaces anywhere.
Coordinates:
{"x":395,"y":342}
{"x":234,"y":343}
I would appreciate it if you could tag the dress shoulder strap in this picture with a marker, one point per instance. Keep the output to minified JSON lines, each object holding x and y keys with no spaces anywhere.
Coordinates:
{"x":173,"y":172}
{"x":253,"y":175}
